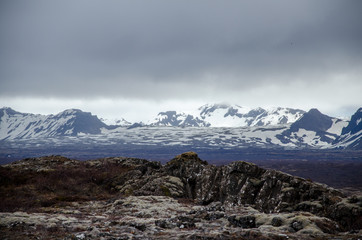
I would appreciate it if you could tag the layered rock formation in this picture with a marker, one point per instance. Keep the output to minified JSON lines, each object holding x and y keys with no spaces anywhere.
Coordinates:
{"x":240,"y":183}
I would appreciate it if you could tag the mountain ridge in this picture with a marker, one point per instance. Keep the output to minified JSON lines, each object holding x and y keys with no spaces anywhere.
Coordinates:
{"x":70,"y":122}
{"x":226,"y":115}
{"x":312,"y":130}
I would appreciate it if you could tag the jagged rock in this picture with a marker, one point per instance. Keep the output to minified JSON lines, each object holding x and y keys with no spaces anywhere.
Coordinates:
{"x":266,"y":190}
{"x":228,"y":198}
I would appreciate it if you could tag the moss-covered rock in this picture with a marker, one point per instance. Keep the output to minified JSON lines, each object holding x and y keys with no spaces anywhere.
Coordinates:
{"x":188,"y":177}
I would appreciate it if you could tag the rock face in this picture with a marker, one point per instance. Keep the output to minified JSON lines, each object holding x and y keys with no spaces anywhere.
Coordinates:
{"x":239,"y":183}
{"x":154,"y":201}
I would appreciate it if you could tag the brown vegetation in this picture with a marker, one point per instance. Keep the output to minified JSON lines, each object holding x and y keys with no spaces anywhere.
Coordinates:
{"x":29,"y":189}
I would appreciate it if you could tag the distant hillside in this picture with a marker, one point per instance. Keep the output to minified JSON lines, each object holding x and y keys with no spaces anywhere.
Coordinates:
{"x":278,"y":128}
{"x":16,"y":125}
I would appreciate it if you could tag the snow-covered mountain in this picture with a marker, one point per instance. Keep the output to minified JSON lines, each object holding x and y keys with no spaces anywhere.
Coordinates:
{"x":172,"y":118}
{"x":16,"y":125}
{"x":279,"y":127}
{"x":351,"y":135}
{"x":225,"y":115}
{"x":313,"y":129}
{"x":115,"y":121}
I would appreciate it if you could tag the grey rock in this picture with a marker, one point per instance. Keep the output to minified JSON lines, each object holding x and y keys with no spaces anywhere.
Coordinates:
{"x":296,"y":225}
{"x":190,"y":199}
{"x":242,"y":221}
{"x":277,"y":222}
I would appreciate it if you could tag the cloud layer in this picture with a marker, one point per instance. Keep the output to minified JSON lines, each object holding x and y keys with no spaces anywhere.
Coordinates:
{"x":173,"y":50}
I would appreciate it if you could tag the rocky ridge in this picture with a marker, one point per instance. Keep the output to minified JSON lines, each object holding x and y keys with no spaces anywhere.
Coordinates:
{"x":186,"y":198}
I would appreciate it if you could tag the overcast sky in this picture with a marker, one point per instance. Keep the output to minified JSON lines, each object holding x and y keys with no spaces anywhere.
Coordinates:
{"x":134,"y":58}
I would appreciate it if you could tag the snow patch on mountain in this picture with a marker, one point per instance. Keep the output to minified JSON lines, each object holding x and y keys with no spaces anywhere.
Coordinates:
{"x":222,"y":115}
{"x":337,"y":126}
{"x":225,"y":115}
{"x":115,"y":121}
{"x":275,"y":116}
{"x":172,"y":118}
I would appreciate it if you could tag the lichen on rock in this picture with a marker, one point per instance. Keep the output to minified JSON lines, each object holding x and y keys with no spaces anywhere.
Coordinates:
{"x":187,"y":198}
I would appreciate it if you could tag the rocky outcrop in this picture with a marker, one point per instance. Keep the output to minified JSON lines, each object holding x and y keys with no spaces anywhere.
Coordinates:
{"x":149,"y":200}
{"x":241,"y":183}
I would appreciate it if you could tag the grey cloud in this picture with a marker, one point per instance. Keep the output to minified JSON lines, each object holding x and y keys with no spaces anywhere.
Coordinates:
{"x":112,"y":48}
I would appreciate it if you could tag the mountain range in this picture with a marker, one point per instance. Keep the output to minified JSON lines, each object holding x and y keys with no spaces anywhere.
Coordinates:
{"x":214,"y":125}
{"x":225,"y":115}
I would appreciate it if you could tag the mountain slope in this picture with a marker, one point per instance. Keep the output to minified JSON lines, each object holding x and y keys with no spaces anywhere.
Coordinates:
{"x":352,"y":134}
{"x":16,"y":125}
{"x":313,"y":120}
{"x":225,"y":115}
{"x":313,"y":129}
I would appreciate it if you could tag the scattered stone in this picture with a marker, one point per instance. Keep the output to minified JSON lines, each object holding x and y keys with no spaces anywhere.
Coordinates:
{"x":170,"y":219}
{"x":214,"y":216}
{"x":242,"y":221}
{"x":296,"y":225}
{"x":277,"y":222}
{"x":164,"y":224}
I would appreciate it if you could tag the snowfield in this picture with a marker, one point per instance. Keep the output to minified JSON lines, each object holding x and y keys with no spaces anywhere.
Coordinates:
{"x":217,"y":126}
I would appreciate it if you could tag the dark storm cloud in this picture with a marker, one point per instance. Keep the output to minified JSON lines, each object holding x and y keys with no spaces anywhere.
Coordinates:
{"x":153,"y":49}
